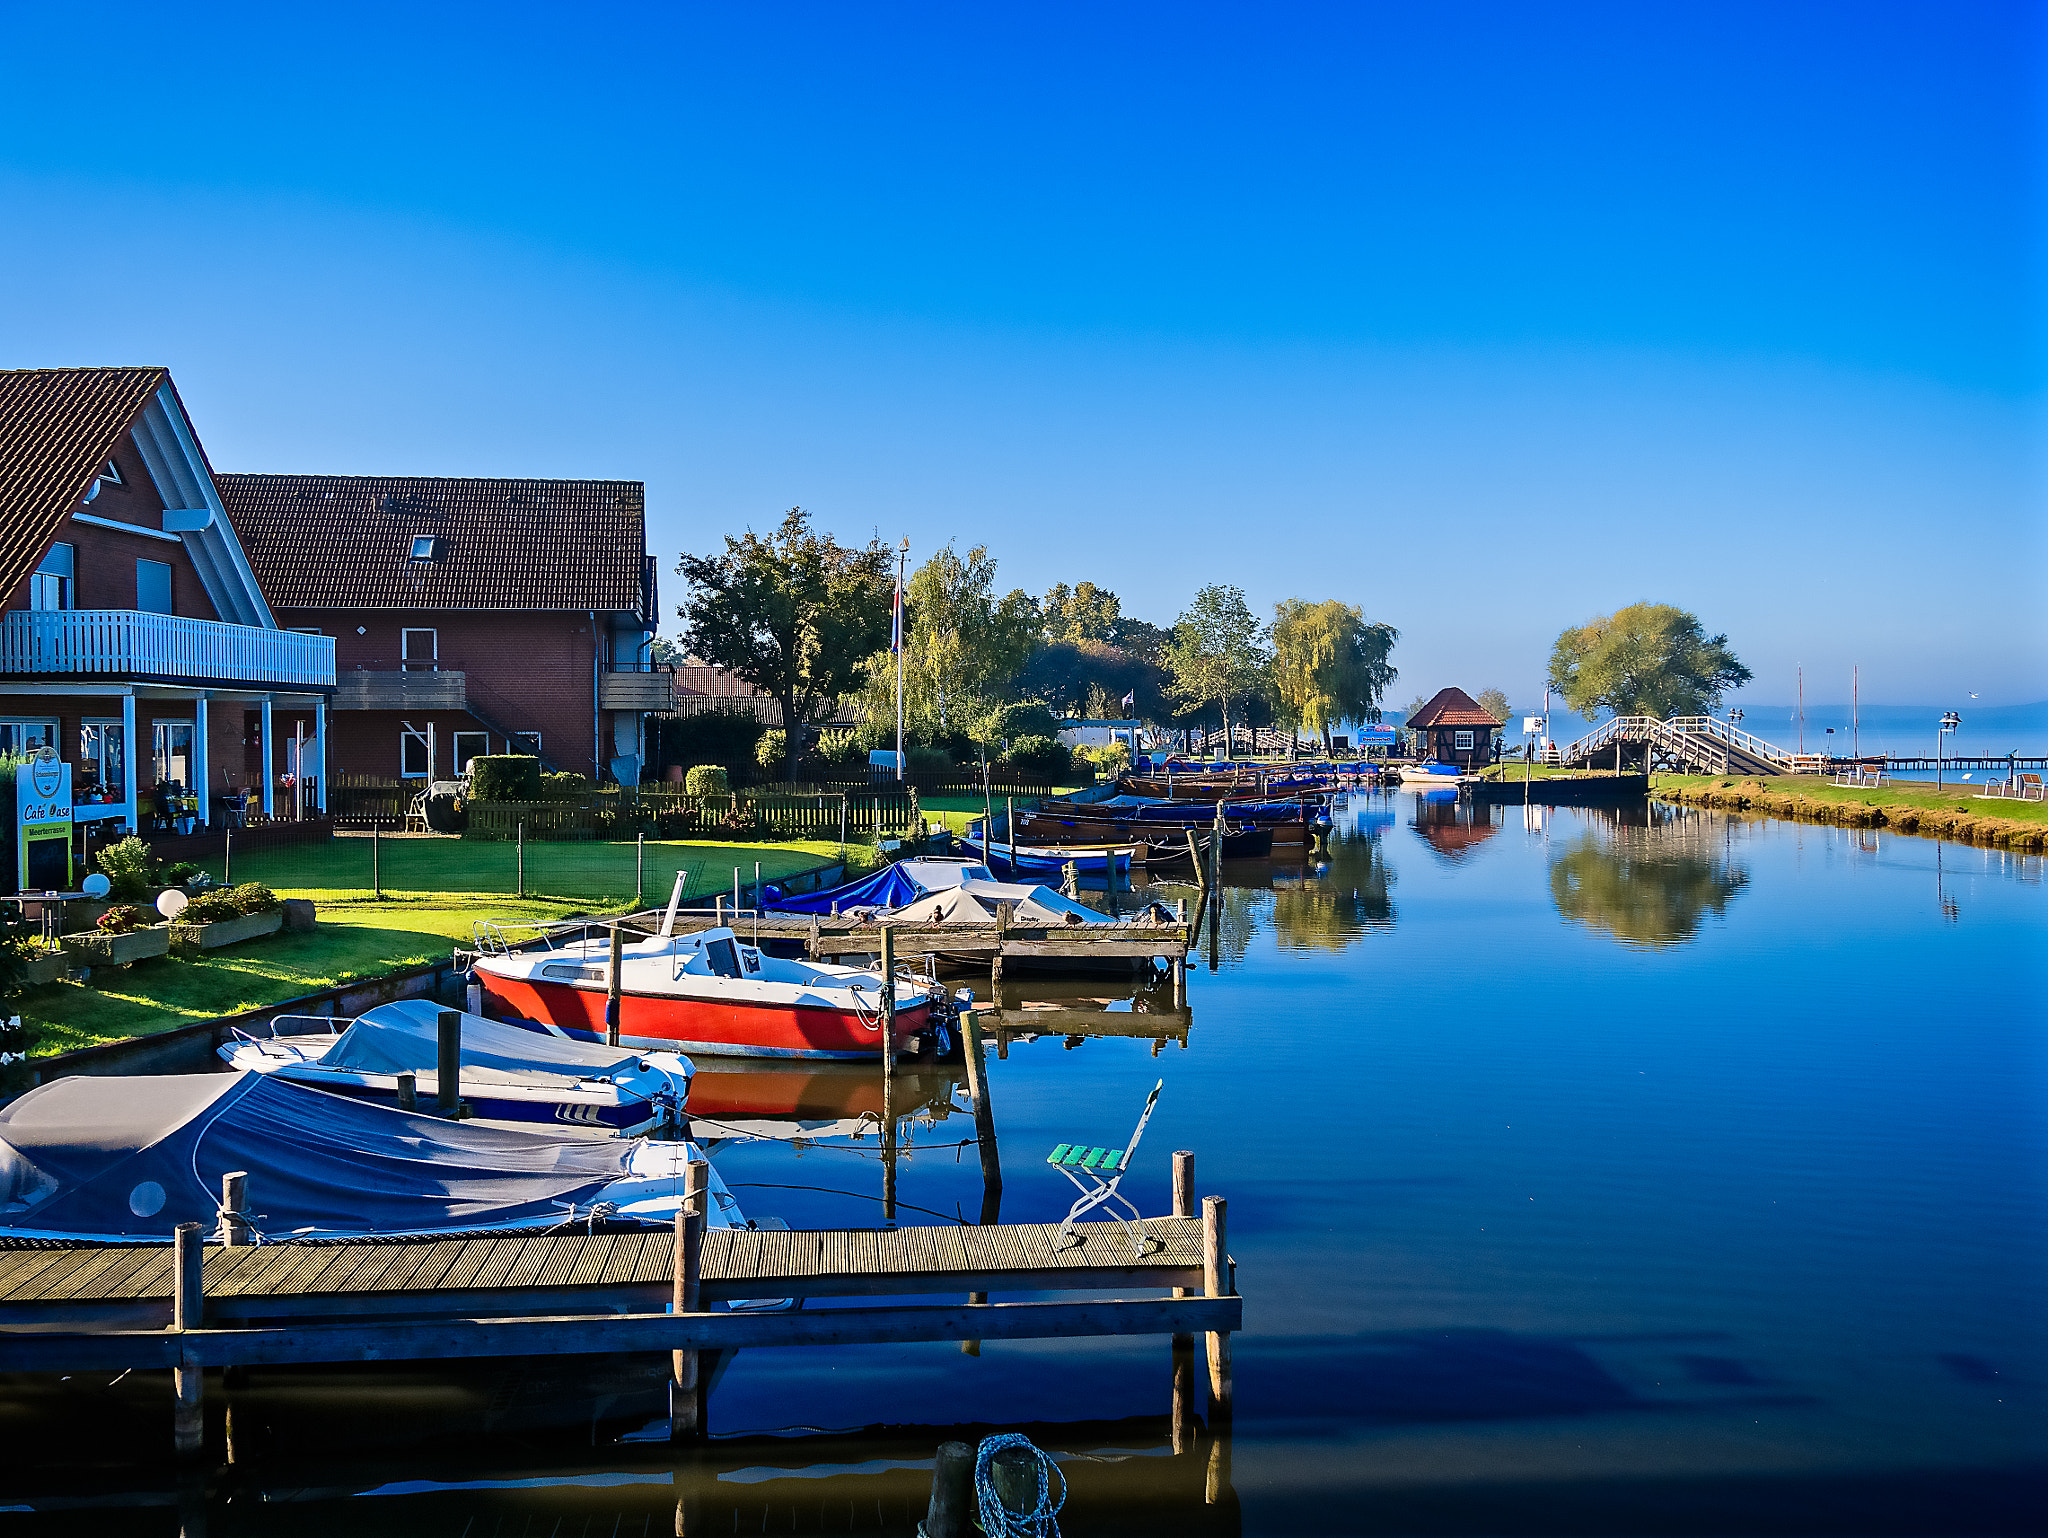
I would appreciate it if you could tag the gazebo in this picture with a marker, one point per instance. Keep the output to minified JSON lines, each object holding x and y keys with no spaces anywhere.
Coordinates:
{"x":1453,"y":729}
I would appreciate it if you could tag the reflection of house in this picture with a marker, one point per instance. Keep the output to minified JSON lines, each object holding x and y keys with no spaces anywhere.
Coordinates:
{"x":1453,"y":827}
{"x":136,"y":639}
{"x":469,"y":616}
{"x":1455,"y":730}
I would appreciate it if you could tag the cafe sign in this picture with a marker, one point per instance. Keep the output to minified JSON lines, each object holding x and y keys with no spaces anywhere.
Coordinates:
{"x":42,"y":819}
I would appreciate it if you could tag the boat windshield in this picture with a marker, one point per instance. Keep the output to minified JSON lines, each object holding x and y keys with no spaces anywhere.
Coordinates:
{"x":723,"y":958}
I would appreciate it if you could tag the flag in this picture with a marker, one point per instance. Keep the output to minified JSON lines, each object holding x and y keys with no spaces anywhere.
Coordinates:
{"x":1131,"y":698}
{"x":896,"y":621}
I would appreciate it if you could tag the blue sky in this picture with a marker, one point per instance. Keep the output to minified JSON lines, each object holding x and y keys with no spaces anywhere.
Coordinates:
{"x":1488,"y":318}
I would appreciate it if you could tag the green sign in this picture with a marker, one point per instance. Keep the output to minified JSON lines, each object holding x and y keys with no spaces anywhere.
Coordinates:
{"x":42,"y":816}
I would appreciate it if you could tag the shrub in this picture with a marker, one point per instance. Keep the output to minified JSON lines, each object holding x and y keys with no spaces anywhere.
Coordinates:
{"x":212,"y":908}
{"x":180,"y":873}
{"x":769,"y":751}
{"x":126,"y":865}
{"x":706,"y":780}
{"x":1040,"y":757}
{"x":253,"y":897}
{"x":931,"y":763}
{"x":724,"y":736}
{"x":1110,"y":760}
{"x":504,"y":777}
{"x":839,"y":748}
{"x":123,"y":918}
{"x":1025,"y":718}
{"x":565,"y":782}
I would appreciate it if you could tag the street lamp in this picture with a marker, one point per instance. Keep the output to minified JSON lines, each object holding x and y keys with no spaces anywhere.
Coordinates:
{"x":1949,"y":723}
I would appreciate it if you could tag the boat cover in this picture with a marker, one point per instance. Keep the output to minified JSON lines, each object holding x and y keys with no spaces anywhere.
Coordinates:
{"x":975,"y":902}
{"x":888,"y":887}
{"x":405,"y":1037}
{"x":135,"y":1157}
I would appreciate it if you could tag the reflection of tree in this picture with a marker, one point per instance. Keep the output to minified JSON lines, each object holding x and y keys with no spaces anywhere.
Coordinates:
{"x":1331,"y":910}
{"x":1650,"y":886}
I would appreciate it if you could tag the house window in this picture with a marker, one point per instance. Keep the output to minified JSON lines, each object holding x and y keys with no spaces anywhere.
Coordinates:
{"x":416,"y":753}
{"x":100,"y":763}
{"x":26,"y":737}
{"x":153,"y":587}
{"x":1463,"y":742}
{"x":425,"y":547}
{"x":173,"y":746}
{"x":420,"y":650}
{"x":470,"y":745}
{"x":526,"y":742}
{"x":50,"y":587}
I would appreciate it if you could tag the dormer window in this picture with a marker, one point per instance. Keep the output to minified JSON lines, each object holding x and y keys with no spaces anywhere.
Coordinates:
{"x":426,"y":547}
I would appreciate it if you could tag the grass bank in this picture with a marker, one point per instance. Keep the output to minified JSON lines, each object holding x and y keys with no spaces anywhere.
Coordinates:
{"x":1947,"y":813}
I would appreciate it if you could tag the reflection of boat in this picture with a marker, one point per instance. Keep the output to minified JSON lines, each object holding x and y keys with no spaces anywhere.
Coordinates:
{"x":1052,"y":859}
{"x":818,"y":1100}
{"x":508,"y":1074}
{"x":705,"y":993}
{"x":1166,"y":840}
{"x":131,"y":1158}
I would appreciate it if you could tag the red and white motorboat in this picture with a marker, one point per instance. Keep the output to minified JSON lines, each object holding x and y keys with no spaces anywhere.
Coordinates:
{"x":708,"y":993}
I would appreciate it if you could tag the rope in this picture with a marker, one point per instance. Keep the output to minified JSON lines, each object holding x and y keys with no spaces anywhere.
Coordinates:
{"x":997,"y":1520}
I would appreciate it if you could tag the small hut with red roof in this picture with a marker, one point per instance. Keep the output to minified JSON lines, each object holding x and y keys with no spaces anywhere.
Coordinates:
{"x":1453,"y":728}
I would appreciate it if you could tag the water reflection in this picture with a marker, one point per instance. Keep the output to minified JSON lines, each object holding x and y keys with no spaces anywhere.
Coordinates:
{"x":1337,"y":901}
{"x":1650,"y":879}
{"x":1452,"y":828}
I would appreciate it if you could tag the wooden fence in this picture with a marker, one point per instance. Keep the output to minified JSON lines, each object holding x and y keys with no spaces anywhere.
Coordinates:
{"x":664,"y":814}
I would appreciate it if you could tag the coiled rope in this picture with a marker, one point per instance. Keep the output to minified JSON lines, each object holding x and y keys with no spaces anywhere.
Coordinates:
{"x":997,"y":1520}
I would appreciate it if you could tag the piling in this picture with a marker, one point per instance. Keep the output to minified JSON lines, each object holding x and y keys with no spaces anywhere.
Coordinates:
{"x":952,"y":1506}
{"x":188,"y":1312}
{"x":234,"y":1210}
{"x":1014,"y":1473}
{"x":1183,"y":1345}
{"x":984,"y":1113}
{"x":448,"y":1062}
{"x":408,"y":1092}
{"x":519,"y":851}
{"x":1216,"y":1284}
{"x":685,"y":1396}
{"x":639,"y":869}
{"x":473,"y":998}
{"x":613,"y":990}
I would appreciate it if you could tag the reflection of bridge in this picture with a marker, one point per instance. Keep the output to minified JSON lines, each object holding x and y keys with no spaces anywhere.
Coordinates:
{"x":1682,"y":745}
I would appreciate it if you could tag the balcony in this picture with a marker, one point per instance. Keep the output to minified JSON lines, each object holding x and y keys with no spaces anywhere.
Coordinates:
{"x":636,"y":691}
{"x":162,"y":648}
{"x":413,"y":689}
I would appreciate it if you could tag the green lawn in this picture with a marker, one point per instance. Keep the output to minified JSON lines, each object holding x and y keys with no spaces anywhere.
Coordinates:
{"x":436,"y":889}
{"x":1949,"y":798}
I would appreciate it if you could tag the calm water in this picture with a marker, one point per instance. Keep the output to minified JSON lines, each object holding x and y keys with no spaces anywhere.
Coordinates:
{"x":1586,"y":1174}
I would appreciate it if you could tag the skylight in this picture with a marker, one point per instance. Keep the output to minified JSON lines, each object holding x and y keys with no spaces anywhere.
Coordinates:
{"x":425,"y":547}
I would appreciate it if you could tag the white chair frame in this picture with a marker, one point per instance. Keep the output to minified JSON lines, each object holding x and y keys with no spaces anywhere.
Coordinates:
{"x":1104,"y":1191}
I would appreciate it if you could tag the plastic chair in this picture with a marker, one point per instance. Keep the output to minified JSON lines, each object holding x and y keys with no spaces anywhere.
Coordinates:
{"x":1104,"y":1167}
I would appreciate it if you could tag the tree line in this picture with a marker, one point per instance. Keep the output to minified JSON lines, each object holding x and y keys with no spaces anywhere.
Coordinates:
{"x":806,"y":619}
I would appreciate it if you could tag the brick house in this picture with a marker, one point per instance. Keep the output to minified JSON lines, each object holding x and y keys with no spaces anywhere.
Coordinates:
{"x":1453,"y":729}
{"x":136,"y":641}
{"x":468,"y":616}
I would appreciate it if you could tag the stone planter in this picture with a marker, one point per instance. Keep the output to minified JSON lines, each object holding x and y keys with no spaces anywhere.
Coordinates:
{"x":47,"y":968}
{"x":102,"y":950}
{"x":207,"y":937}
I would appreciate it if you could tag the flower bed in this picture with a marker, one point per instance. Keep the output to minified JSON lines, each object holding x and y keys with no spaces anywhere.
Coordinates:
{"x":44,"y":967}
{"x":208,"y":937}
{"x":101,"y":949}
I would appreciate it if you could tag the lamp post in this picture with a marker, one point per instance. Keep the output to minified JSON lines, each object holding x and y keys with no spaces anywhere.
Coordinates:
{"x":896,"y":645}
{"x":1949,"y":723}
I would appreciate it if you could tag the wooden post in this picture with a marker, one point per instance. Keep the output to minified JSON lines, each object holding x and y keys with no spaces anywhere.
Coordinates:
{"x":984,"y":1112}
{"x":1183,"y":1393}
{"x":639,"y":868}
{"x":685,"y":1398}
{"x":1216,"y":1284}
{"x":995,"y":966}
{"x":448,"y":1063}
{"x":888,"y":1001}
{"x":408,"y":1092}
{"x":188,"y":1312}
{"x":1183,"y":1187}
{"x":234,"y":1210}
{"x":952,"y":1503}
{"x":1195,"y":857}
{"x":1014,"y":1473}
{"x":520,"y":853}
{"x":613,"y":988}
{"x":1010,"y":827}
{"x":376,"y":864}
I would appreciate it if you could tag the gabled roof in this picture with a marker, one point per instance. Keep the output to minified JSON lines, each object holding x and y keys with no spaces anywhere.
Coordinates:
{"x":1452,"y":707}
{"x":58,"y":426}
{"x":346,"y":542}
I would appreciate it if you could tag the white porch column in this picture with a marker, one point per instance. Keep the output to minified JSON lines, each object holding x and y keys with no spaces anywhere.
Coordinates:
{"x":200,"y":767}
{"x":320,"y":751}
{"x":128,"y":760}
{"x":269,"y":764}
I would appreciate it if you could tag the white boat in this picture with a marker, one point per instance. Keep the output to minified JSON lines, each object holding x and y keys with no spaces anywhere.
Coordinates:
{"x":508,"y":1073}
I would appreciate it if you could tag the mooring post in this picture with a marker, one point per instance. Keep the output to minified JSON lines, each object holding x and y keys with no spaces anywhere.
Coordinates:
{"x":188,"y":1312}
{"x":376,"y":864}
{"x":473,"y":998}
{"x":984,"y":1112}
{"x":639,"y":868}
{"x":952,"y":1503}
{"x":685,"y":1413}
{"x":613,"y":991}
{"x":995,"y":966}
{"x":520,"y":851}
{"x":448,"y":1063}
{"x":888,"y":1076}
{"x":234,"y":1210}
{"x":1216,"y":1284}
{"x":408,"y":1092}
{"x":1014,"y":1473}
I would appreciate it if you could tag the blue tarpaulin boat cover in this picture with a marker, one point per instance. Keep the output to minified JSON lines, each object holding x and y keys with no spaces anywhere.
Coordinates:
{"x":886,"y":888}
{"x":405,"y":1037}
{"x":135,"y":1157}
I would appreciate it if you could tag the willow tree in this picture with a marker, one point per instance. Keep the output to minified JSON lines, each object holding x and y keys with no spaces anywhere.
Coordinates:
{"x":1649,"y":659}
{"x":962,"y":646}
{"x":1330,"y":664}
{"x":1217,"y":653}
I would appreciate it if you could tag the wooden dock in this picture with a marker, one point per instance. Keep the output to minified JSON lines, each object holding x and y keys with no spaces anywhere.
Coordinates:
{"x":833,"y":936}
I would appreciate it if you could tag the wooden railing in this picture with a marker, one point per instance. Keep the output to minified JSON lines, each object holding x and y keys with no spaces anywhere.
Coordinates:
{"x":127,"y":643}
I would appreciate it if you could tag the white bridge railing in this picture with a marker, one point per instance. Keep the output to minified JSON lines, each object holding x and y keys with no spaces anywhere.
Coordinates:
{"x":128,"y":643}
{"x":1680,"y":732}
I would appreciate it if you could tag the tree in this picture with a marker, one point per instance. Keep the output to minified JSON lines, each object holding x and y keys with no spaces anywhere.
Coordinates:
{"x":1649,"y":659}
{"x":794,"y":614}
{"x":1329,"y":664}
{"x":1082,"y":613}
{"x":664,"y":653}
{"x":1494,"y":703}
{"x":1217,"y":652}
{"x":962,"y":648}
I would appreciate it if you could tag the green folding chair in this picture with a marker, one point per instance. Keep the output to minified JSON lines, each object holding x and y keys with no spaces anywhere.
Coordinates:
{"x":1095,"y":1172}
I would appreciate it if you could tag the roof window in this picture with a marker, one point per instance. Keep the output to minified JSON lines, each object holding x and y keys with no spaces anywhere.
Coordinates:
{"x":426,"y":547}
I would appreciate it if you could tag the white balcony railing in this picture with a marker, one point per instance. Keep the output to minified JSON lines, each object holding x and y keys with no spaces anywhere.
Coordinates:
{"x":127,"y":643}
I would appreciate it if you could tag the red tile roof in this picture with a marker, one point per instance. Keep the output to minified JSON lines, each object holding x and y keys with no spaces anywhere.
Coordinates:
{"x":1452,"y":707}
{"x":57,"y":428}
{"x":345,"y":542}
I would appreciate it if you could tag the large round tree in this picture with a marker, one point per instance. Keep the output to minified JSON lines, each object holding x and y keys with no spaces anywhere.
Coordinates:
{"x":1650,"y":659}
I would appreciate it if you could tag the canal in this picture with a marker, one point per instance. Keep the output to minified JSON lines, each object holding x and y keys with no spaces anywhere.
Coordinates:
{"x":1660,"y":1171}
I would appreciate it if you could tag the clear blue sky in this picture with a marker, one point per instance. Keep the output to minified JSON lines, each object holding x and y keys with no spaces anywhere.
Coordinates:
{"x":1486,"y":317}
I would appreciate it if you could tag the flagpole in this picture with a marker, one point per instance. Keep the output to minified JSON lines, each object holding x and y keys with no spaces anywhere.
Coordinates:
{"x":902,"y":555}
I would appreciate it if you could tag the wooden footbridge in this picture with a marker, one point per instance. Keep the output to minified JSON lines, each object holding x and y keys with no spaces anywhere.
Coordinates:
{"x":1681,"y":745}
